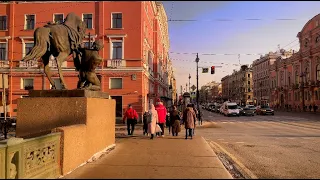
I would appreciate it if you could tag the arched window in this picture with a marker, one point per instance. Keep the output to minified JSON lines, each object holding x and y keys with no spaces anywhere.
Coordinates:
{"x":318,"y":72}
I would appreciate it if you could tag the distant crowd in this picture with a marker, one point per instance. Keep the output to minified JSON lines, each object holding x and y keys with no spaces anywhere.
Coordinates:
{"x":157,"y":118}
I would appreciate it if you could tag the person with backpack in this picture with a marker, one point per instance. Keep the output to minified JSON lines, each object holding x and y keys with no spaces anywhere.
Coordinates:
{"x":132,"y":118}
{"x":145,"y":123}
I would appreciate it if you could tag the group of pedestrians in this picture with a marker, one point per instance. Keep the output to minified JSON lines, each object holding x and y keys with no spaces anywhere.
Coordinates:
{"x":157,"y":117}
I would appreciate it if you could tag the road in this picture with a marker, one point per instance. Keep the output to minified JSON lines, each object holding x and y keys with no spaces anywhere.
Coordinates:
{"x":281,"y":146}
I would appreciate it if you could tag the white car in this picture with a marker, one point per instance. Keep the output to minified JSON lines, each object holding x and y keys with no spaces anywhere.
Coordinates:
{"x":230,"y":109}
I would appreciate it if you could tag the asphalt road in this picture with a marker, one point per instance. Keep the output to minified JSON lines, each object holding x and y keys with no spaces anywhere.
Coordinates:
{"x":286,"y":145}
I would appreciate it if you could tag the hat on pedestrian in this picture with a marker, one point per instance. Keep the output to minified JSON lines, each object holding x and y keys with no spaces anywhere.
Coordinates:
{"x":158,"y":100}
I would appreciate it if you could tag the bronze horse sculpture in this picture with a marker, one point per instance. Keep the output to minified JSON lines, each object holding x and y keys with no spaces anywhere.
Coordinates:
{"x":59,"y":40}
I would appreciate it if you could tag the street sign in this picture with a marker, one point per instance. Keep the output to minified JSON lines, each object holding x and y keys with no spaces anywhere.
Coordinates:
{"x":193,"y":87}
{"x":193,"y":95}
{"x":205,"y":70}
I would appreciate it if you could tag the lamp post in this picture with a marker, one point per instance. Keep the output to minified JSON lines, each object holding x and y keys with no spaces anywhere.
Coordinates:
{"x":189,"y":82}
{"x":199,"y":113}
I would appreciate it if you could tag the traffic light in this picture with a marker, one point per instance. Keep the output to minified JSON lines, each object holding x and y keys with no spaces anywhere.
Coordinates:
{"x":212,"y":69}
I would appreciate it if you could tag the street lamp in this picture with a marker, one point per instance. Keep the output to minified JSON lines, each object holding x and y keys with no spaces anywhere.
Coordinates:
{"x":189,"y":82}
{"x":199,"y":113}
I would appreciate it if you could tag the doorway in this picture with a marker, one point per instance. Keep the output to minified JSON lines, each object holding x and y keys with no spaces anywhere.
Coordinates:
{"x":118,"y":106}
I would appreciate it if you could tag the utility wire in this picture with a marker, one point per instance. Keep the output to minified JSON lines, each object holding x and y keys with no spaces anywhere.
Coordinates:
{"x":226,"y":19}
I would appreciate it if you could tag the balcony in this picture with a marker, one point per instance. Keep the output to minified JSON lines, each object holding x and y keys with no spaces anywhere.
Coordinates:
{"x":4,"y":64}
{"x":116,"y":63}
{"x":28,"y":64}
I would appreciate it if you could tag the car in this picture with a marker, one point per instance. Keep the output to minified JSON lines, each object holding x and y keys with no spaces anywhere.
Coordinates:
{"x":211,"y":107}
{"x":264,"y":110}
{"x":217,"y":109}
{"x":230,"y":109}
{"x":247,"y":112}
{"x":254,"y":108}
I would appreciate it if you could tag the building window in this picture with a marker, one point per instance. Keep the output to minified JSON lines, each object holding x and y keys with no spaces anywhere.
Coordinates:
{"x":27,"y":84}
{"x":29,"y":22}
{"x":3,"y":51}
{"x":28,"y":47}
{"x":248,"y":75}
{"x":3,"y":22}
{"x":249,"y":97}
{"x":117,"y":20}
{"x":58,"y":18}
{"x":117,"y":50}
{"x":318,"y":72}
{"x":57,"y":83}
{"x":248,"y":82}
{"x":115,"y":83}
{"x":87,"y":18}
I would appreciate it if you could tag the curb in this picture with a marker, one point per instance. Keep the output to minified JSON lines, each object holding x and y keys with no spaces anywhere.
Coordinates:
{"x":218,"y":157}
{"x":240,"y":167}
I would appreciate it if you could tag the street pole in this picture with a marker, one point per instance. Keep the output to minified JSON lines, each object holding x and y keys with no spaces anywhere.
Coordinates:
{"x":186,"y":87}
{"x":189,"y":82}
{"x":199,"y":113}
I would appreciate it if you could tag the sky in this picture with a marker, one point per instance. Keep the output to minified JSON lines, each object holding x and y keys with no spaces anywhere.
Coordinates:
{"x":231,"y":27}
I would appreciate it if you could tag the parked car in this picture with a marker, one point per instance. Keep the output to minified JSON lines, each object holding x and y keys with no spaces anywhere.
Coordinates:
{"x":211,"y":107}
{"x":247,"y":112}
{"x":230,"y":109}
{"x":217,"y":108}
{"x":264,"y":110}
{"x":254,"y":108}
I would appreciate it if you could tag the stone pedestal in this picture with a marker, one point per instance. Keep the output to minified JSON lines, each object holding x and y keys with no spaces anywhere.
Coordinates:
{"x":86,"y":120}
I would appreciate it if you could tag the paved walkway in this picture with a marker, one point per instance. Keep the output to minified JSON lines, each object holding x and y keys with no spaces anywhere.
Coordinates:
{"x":168,"y":157}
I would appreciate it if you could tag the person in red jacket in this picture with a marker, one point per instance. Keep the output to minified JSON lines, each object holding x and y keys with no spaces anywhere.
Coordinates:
{"x":132,"y":118}
{"x":162,"y":113}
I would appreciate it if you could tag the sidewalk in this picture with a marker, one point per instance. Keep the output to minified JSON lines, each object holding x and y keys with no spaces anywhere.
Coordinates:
{"x":168,"y":157}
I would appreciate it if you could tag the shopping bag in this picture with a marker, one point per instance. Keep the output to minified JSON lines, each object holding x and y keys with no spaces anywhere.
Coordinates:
{"x":158,"y":129}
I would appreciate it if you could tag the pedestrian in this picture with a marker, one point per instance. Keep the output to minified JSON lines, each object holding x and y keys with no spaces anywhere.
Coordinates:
{"x":168,"y":122}
{"x":310,"y":107}
{"x":315,"y":108}
{"x":145,"y":123}
{"x":175,"y":118}
{"x":189,"y":119}
{"x":153,"y":127}
{"x":162,"y":113}
{"x":132,"y":118}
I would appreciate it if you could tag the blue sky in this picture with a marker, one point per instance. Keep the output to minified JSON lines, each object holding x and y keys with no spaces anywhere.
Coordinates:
{"x":237,"y":36}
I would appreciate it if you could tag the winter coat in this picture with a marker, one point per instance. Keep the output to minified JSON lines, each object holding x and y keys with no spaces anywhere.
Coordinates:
{"x":130,"y":114}
{"x":154,"y":120}
{"x":189,"y":118}
{"x":175,"y":121}
{"x":162,"y":113}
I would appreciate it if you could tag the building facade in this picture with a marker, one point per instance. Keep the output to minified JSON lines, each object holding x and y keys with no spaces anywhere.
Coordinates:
{"x":298,"y":82}
{"x":237,"y":87}
{"x":209,"y":92}
{"x":135,"y":53}
{"x":261,"y":77}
